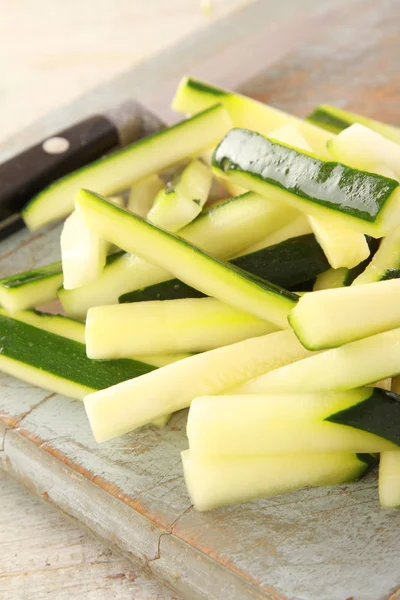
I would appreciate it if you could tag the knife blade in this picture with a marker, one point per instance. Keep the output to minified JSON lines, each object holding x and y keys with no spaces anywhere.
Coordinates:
{"x":25,"y":174}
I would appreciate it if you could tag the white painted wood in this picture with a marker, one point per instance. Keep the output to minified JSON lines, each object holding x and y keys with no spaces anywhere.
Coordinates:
{"x":43,"y":555}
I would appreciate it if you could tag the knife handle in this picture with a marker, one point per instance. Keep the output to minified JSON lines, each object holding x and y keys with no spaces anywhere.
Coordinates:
{"x":26,"y":174}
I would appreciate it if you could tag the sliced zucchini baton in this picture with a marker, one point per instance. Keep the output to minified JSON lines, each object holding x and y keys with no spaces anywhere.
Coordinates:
{"x":57,"y":363}
{"x":178,"y":204}
{"x":118,"y":277}
{"x":161,"y":422}
{"x":364,"y":420}
{"x":350,"y":366}
{"x":169,"y":327}
{"x":83,"y":252}
{"x":52,"y":323}
{"x":31,"y":288}
{"x":287,"y":264}
{"x":224,"y":230}
{"x":333,"y":278}
{"x":193,"y":96}
{"x":385,"y":263}
{"x":142,"y":194}
{"x":233,"y":225}
{"x":343,"y":247}
{"x":336,"y":119}
{"x":389,"y":479}
{"x":167,"y":290}
{"x":188,"y":263}
{"x":122,"y":408}
{"x":363,"y":148}
{"x":352,"y":274}
{"x":295,"y":228}
{"x":330,"y":318}
{"x":366,"y":202}
{"x":117,"y":171}
{"x":75,"y":330}
{"x":219,"y":481}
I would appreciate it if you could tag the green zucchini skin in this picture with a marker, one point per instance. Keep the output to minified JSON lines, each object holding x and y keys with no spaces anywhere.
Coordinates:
{"x":390,"y":274}
{"x":378,"y":414}
{"x":370,"y":460}
{"x":115,"y":172}
{"x":19,"y":280}
{"x":30,"y":277}
{"x":224,"y":230}
{"x":213,"y":277}
{"x":386,"y":262}
{"x":193,"y":95}
{"x":358,"y":420}
{"x":329,"y":184}
{"x":328,"y":120}
{"x":343,"y":276}
{"x":353,"y":273}
{"x":53,"y":323}
{"x":62,"y":357}
{"x":336,"y":119}
{"x":206,"y":88}
{"x":30,"y":288}
{"x":288,"y":264}
{"x":167,"y":290}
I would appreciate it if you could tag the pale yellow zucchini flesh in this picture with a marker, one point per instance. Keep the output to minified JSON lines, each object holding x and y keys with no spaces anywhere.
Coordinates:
{"x":213,"y":482}
{"x":167,"y":327}
{"x":120,"y":409}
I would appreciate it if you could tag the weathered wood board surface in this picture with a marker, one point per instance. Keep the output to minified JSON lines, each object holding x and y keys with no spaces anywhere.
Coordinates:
{"x":330,"y":544}
{"x":44,"y":554}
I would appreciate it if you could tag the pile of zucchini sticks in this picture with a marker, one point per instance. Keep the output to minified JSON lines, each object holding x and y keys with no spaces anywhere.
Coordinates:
{"x":244,"y":263}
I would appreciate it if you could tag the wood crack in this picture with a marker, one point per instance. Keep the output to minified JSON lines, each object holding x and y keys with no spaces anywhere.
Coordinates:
{"x":28,"y":412}
{"x":168,"y":533}
{"x":21,"y":245}
{"x":28,"y":241}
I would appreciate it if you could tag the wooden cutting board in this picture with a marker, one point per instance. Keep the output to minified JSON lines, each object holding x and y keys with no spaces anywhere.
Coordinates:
{"x":323,"y":544}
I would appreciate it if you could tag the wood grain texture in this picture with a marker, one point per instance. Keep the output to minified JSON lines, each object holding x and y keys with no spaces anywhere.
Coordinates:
{"x":131,"y":492}
{"x":331,"y":544}
{"x":71,"y":563}
{"x":350,"y":63}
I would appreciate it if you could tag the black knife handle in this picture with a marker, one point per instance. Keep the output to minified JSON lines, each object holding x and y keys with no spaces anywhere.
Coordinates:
{"x":26,"y":174}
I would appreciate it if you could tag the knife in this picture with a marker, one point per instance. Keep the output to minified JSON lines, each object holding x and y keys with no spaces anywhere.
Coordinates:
{"x":24,"y":175}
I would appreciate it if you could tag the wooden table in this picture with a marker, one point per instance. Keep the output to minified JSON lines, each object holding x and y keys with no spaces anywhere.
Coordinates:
{"x":42,"y":553}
